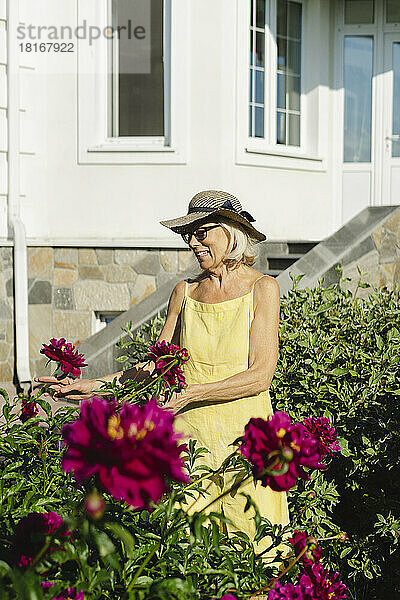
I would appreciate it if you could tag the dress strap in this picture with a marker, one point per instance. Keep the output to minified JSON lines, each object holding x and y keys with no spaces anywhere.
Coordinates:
{"x":186,"y":288}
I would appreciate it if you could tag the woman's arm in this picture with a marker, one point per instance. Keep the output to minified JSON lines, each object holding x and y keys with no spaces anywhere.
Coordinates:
{"x":78,"y":389}
{"x":263,"y":356}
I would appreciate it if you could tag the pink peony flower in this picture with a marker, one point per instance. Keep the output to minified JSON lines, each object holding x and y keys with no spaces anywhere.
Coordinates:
{"x":65,"y":354}
{"x":30,"y":533}
{"x":69,"y":594}
{"x":163,"y":353}
{"x":291,"y":592}
{"x":313,"y":553}
{"x":29,"y":409}
{"x":325,"y":585}
{"x":326,"y":435}
{"x":228,"y":597}
{"x":132,"y":452}
{"x":269,"y":444}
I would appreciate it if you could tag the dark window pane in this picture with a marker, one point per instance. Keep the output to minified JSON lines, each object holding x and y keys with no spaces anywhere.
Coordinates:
{"x":251,"y":85}
{"x":252,"y":58}
{"x":281,"y":50}
{"x":141,"y":96}
{"x":294,"y":57}
{"x":281,"y":23}
{"x":392,"y":11}
{"x":281,"y":90}
{"x":358,"y":64}
{"x":251,"y":12}
{"x":260,"y":20}
{"x":358,"y":11}
{"x":251,"y":121}
{"x":294,"y":130}
{"x":259,"y":49}
{"x":259,"y":87}
{"x":259,"y":121}
{"x":280,"y":128}
{"x":293,"y":84}
{"x":294,"y":20}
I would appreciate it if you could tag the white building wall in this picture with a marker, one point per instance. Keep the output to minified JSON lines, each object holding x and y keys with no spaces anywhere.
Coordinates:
{"x":3,"y":122}
{"x":64,"y":202}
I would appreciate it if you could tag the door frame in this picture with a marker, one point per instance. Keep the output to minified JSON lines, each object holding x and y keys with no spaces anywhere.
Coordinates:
{"x":387,"y":114}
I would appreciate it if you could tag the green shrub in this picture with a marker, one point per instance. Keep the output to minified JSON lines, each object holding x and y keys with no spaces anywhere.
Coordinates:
{"x":339,"y":357}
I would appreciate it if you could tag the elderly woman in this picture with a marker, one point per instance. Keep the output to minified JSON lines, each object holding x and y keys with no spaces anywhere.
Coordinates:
{"x":228,"y":320}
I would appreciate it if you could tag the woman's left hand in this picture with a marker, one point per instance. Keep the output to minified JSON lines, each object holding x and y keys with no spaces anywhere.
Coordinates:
{"x":178,"y":401}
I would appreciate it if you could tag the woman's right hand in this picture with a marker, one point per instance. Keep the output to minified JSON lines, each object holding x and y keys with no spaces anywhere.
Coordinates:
{"x":72,"y":389}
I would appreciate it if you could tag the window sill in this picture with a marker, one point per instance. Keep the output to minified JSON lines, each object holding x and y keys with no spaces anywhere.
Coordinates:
{"x":124,"y":153}
{"x":129,"y":147}
{"x":284,"y":154}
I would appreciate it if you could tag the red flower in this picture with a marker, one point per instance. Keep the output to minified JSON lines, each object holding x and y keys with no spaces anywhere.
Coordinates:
{"x":326,"y":435}
{"x":269,"y":445}
{"x":66,"y":355}
{"x":30,"y":533}
{"x":325,"y":585}
{"x":132,"y":452}
{"x":163,"y":353}
{"x":69,"y":594}
{"x":313,"y":553}
{"x":291,"y":592}
{"x":29,"y":409}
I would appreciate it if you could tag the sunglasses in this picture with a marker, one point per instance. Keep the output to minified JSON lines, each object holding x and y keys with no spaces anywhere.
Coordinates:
{"x":200,"y":234}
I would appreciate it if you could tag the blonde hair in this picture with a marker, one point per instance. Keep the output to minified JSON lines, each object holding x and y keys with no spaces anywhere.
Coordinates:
{"x":241,"y":245}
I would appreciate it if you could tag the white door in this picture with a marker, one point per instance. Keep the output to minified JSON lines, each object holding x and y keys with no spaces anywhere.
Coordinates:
{"x":391,"y":120}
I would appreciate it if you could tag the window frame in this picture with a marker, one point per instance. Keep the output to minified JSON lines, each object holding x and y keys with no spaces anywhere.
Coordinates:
{"x":253,"y":150}
{"x":95,"y":145}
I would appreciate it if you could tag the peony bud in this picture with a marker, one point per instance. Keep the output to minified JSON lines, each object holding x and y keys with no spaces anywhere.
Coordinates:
{"x":343,"y":536}
{"x":95,"y":505}
{"x":287,"y":454}
{"x":311,"y":496}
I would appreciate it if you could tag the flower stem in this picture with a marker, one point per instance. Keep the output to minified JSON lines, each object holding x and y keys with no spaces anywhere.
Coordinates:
{"x":273,"y":581}
{"x":142,"y":566}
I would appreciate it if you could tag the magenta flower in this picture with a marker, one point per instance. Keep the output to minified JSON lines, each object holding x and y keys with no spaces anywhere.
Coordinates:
{"x":326,"y":435}
{"x":291,"y":592}
{"x":163,"y":353}
{"x":65,"y":354}
{"x":228,"y":597}
{"x":30,"y":533}
{"x":132,"y":452}
{"x":29,"y":409}
{"x":269,"y":445}
{"x":69,"y":594}
{"x":325,"y":585}
{"x":313,"y":553}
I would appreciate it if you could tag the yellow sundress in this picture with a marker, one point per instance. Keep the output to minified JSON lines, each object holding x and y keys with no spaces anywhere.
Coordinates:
{"x":217,"y":339}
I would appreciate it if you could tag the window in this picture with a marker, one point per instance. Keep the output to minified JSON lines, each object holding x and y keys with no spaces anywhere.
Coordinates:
{"x":358,"y":66}
{"x":133,"y":87}
{"x":257,"y":68}
{"x":138,"y":78}
{"x":286,"y":101}
{"x":392,"y":11}
{"x":288,"y":41}
{"x":358,"y":11}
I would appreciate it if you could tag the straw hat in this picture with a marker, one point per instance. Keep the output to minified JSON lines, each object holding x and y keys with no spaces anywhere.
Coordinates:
{"x":212,"y":203}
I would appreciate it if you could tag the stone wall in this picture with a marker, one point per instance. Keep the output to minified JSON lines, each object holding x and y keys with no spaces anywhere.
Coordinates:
{"x":378,"y":258}
{"x":66,"y":286}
